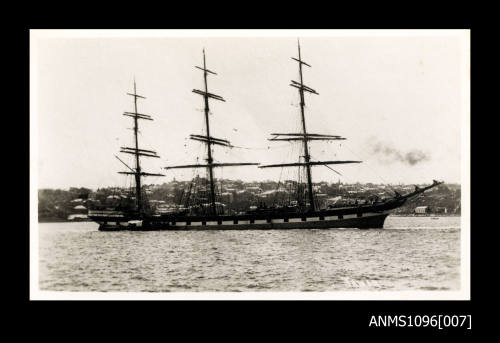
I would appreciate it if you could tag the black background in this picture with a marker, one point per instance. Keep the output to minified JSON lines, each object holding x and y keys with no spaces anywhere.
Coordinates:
{"x":183,"y":320}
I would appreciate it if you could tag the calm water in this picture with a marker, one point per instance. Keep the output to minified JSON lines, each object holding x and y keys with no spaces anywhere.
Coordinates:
{"x":408,"y":254}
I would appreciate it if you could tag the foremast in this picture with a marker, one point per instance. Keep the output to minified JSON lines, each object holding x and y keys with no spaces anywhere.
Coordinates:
{"x":304,"y":136}
{"x":137,"y":152}
{"x":208,"y":139}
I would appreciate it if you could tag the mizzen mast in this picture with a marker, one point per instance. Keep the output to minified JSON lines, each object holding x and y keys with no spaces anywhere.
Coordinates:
{"x":304,"y":136}
{"x":137,"y":172}
{"x":209,"y":140}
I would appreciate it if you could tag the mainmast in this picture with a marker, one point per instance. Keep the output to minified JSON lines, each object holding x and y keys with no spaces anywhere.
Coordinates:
{"x":137,"y":172}
{"x":304,"y":136}
{"x":304,"y":131}
{"x":209,"y":140}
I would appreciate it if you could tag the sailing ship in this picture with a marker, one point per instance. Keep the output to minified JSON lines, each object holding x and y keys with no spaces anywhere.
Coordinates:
{"x":209,"y":216}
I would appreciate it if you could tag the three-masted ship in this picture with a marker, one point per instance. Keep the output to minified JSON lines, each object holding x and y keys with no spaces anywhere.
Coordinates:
{"x":304,"y":215}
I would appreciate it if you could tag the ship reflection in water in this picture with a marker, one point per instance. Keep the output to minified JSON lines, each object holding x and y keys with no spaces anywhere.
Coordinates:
{"x":410,"y":253}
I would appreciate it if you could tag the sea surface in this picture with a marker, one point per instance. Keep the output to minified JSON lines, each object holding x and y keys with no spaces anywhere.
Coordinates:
{"x":410,"y":253}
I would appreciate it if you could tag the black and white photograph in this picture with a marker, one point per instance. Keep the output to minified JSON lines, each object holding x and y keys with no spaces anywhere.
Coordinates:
{"x":250,"y":164}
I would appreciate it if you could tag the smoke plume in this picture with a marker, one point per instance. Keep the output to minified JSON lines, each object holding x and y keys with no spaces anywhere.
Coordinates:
{"x":388,"y":154}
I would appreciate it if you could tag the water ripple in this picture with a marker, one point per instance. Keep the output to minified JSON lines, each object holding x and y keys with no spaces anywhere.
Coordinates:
{"x":408,"y":254}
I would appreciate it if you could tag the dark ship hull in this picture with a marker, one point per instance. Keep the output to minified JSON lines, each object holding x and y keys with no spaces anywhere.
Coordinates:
{"x":362,"y":217}
{"x":368,"y":221}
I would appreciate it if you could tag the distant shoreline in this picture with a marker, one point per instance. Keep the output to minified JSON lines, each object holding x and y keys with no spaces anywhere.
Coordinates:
{"x":58,"y":220}
{"x":425,"y":215}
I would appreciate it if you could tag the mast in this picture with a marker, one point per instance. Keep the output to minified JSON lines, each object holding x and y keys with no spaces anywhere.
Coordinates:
{"x":138,"y":195}
{"x":209,"y":147}
{"x":137,"y":172}
{"x":307,"y":157}
{"x":304,"y":136}
{"x":208,"y":139}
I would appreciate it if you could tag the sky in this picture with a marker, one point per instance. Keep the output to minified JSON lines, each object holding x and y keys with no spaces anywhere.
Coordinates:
{"x":397,"y":98}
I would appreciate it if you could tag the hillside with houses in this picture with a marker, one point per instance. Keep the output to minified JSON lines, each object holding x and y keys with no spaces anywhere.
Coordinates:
{"x":237,"y":196}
